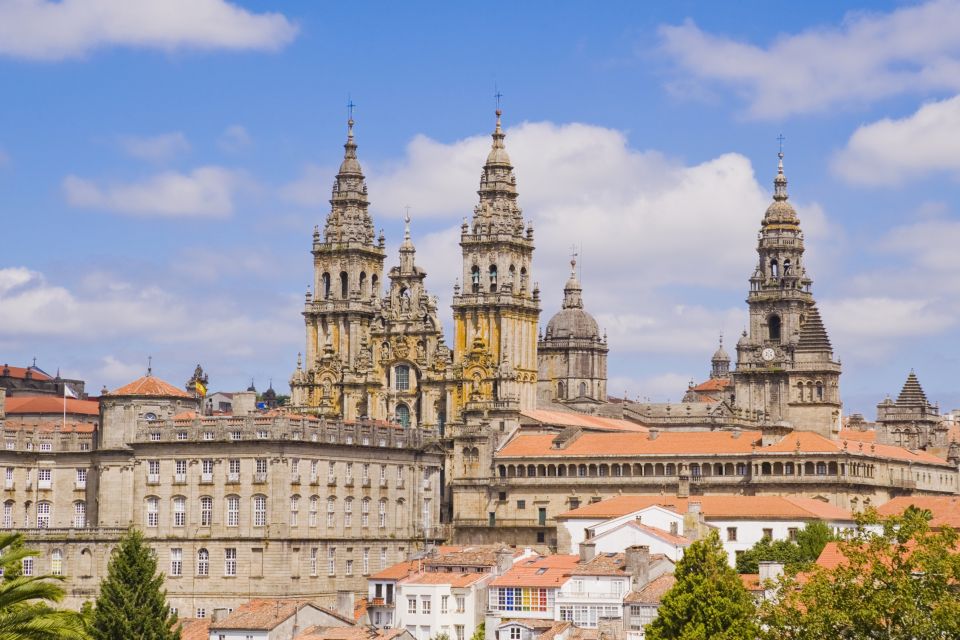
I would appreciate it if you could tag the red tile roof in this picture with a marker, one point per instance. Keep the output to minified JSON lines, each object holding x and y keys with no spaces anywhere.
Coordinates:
{"x":631,"y":444}
{"x":48,"y":426}
{"x":809,"y":442}
{"x":858,"y":436}
{"x":714,"y":384}
{"x":945,"y":509}
{"x":265,"y":614}
{"x":21,"y":372}
{"x":194,"y":628}
{"x":720,"y":506}
{"x":543,"y":571}
{"x":50,"y":404}
{"x":150,"y":386}
{"x":569,"y":419}
{"x":348,"y":633}
{"x":454,"y":579}
{"x":653,"y":591}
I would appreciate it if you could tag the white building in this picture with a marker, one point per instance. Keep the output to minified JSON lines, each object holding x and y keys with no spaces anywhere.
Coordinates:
{"x":741,"y":521}
{"x":441,"y":602}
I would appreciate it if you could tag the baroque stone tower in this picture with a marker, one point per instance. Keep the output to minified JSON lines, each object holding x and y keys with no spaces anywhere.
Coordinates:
{"x":785,"y":373}
{"x":572,"y":356}
{"x":347,"y":264}
{"x":496,"y":312}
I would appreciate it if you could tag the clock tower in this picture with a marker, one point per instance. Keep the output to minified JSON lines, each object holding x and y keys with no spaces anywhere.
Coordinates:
{"x":786,"y":374}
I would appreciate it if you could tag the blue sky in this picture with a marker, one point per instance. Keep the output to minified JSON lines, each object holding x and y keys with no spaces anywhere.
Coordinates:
{"x":162,"y":167}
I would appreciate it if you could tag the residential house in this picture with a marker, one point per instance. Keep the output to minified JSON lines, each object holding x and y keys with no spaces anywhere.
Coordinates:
{"x":274,"y":619}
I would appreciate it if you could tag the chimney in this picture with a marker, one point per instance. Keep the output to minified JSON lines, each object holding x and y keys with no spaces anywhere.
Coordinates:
{"x":653,"y":434}
{"x":345,"y":604}
{"x":636,"y":560}
{"x":587,"y":551}
{"x":504,"y":561}
{"x":683,"y":486}
{"x":770,"y":570}
{"x":693,"y":520}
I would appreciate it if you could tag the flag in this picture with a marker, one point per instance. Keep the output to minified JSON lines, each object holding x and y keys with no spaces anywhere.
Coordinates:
{"x":68,"y":392}
{"x":201,"y":390}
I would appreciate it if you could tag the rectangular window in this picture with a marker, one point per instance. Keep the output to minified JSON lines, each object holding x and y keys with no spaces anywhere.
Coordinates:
{"x":208,"y":435}
{"x":179,"y":511}
{"x":349,"y":471}
{"x":9,"y":478}
{"x":176,"y":562}
{"x":349,"y":566}
{"x":259,"y":511}
{"x":56,"y":562}
{"x":403,"y":377}
{"x":262,"y":465}
{"x":155,"y":436}
{"x":521,"y":504}
{"x":366,"y":561}
{"x":46,"y":446}
{"x":206,"y":511}
{"x":768,"y":534}
{"x":411,"y":605}
{"x":11,"y":445}
{"x":426,"y":603}
{"x":7,"y":515}
{"x":236,"y":435}
{"x":233,"y":472}
{"x":26,"y":566}
{"x":182,"y":435}
{"x":461,"y":604}
{"x":203,"y":562}
{"x":313,"y":561}
{"x":201,"y":612}
{"x":43,"y":478}
{"x":81,"y":479}
{"x":206,"y":471}
{"x":230,"y":562}
{"x":331,"y":471}
{"x":153,"y":512}
{"x":731,"y":534}
{"x":331,"y":561}
{"x":459,"y":632}
{"x":233,"y":511}
{"x":43,"y":515}
{"x":792,"y":533}
{"x":153,"y":471}
{"x":444,"y":604}
{"x":383,"y":558}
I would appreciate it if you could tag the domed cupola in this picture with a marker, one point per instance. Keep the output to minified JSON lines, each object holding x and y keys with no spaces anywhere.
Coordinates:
{"x":572,"y":322}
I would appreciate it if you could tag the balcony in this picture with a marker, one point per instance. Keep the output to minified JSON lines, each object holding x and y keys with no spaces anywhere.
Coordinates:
{"x":401,"y":484}
{"x":44,"y":484}
{"x":599,"y":596}
{"x":348,"y":482}
{"x":383,"y":483}
{"x":260,"y":477}
{"x":80,"y":485}
{"x":206,"y":478}
{"x":331,"y":481}
{"x":179,"y":478}
{"x":9,"y":486}
{"x":314,"y":480}
{"x":295,"y":478}
{"x":365,"y":482}
{"x":233,"y":478}
{"x":153,"y":478}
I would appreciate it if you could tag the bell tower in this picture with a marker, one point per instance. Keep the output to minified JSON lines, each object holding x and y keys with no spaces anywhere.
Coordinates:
{"x":497,"y":310}
{"x":348,"y":267}
{"x":785,"y":369}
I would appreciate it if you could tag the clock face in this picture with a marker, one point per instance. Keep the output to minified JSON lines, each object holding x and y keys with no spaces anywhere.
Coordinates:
{"x":768,"y":354}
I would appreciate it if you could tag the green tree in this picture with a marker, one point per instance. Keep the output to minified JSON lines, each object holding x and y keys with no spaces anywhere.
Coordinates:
{"x":708,"y":601}
{"x":132,"y":602}
{"x":25,"y":601}
{"x":480,"y":633}
{"x":895,"y":578}
{"x":796,"y":556}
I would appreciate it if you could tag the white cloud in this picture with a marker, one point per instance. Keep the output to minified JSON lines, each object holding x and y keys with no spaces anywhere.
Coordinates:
{"x":47,"y":30}
{"x":866,"y":326}
{"x":890,"y":152}
{"x":113,"y":372}
{"x":204,"y":192}
{"x":234,"y":138}
{"x":311,"y":188}
{"x":870,"y":56}
{"x":159,"y":148}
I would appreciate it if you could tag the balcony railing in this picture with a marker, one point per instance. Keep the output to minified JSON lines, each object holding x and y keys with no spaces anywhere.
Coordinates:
{"x":179,"y":478}
{"x":80,"y":485}
{"x":206,"y":478}
{"x":365,"y":482}
{"x":331,"y":481}
{"x":259,"y":477}
{"x":295,"y":478}
{"x":233,"y":477}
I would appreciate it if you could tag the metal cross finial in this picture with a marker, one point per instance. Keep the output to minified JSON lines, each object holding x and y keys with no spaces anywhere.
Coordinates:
{"x":149,"y":365}
{"x":780,"y":139}
{"x":350,"y":107}
{"x":497,"y":95}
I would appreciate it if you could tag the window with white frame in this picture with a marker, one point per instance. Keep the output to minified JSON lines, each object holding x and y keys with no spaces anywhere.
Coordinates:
{"x":176,"y":562}
{"x":259,"y":511}
{"x":383,"y":558}
{"x":233,"y":470}
{"x":8,"y":514}
{"x":313,"y":561}
{"x":349,"y":567}
{"x":348,"y":512}
{"x":180,"y":470}
{"x":9,"y":478}
{"x":365,"y":512}
{"x":44,"y":476}
{"x":331,"y":561}
{"x":382,"y":513}
{"x":294,"y":510}
{"x":444,"y":604}
{"x":26,"y":567}
{"x":459,"y":633}
{"x":461,"y":604}
{"x":366,"y":560}
{"x":426,"y":603}
{"x":179,"y":511}
{"x":402,"y":375}
{"x":153,"y":471}
{"x":233,"y":511}
{"x":331,"y":511}
{"x":81,"y":478}
{"x":314,"y":509}
{"x":56,"y":562}
{"x":206,"y":511}
{"x":411,"y":604}
{"x":203,"y":563}
{"x":206,"y":471}
{"x":79,"y":514}
{"x":182,"y":435}
{"x":153,"y":511}
{"x":230,"y":562}
{"x":43,"y":515}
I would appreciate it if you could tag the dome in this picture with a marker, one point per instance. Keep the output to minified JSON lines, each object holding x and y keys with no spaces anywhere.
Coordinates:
{"x":573,"y":323}
{"x":720,"y":355}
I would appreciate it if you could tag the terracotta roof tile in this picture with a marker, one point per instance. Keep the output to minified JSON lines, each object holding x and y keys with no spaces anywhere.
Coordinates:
{"x":21,"y":373}
{"x":194,"y":628}
{"x":631,"y":444}
{"x":714,"y":384}
{"x":858,"y":436}
{"x":719,"y":506}
{"x":150,"y":386}
{"x":50,"y":404}
{"x":751,"y":581}
{"x":265,"y":614}
{"x":653,"y":591}
{"x":48,"y":426}
{"x":348,"y":633}
{"x":570,"y":419}
{"x":543,"y":571}
{"x":945,"y":509}
{"x":454,"y":579}
{"x":809,"y":442}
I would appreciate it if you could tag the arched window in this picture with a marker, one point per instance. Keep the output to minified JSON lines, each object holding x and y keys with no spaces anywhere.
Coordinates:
{"x":774,"y":269}
{"x":325,"y":284}
{"x":523,"y":277}
{"x":203,"y":562}
{"x":773,"y":323}
{"x":206,"y":511}
{"x":8,"y":514}
{"x":513,"y":275}
{"x":403,"y":415}
{"x":314,"y":510}
{"x":561,"y":390}
{"x":820,"y":391}
{"x":583,"y":389}
{"x":294,"y":510}
{"x":331,"y":510}
{"x":348,"y":512}
{"x":475,"y":279}
{"x":363,"y":284}
{"x":374,"y":283}
{"x":153,"y":511}
{"x":786,"y":267}
{"x":343,"y":285}
{"x":179,"y":511}
{"x":399,"y":520}
{"x":259,"y":511}
{"x":821,"y":468}
{"x":79,"y":514}
{"x":56,"y":562}
{"x":233,"y":511}
{"x":365,"y":512}
{"x":402,"y":377}
{"x":493,"y":277}
{"x":86,"y":563}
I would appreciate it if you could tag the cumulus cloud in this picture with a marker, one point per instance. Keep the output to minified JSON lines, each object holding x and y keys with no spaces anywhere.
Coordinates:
{"x":234,"y":138}
{"x":870,"y":56}
{"x":892,"y":151}
{"x":159,"y":148}
{"x":204,"y":192}
{"x":311,"y":188}
{"x":869,"y":327}
{"x":48,"y":30}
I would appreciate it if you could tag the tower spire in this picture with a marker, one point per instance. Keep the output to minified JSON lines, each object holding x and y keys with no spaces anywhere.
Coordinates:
{"x":349,"y":219}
